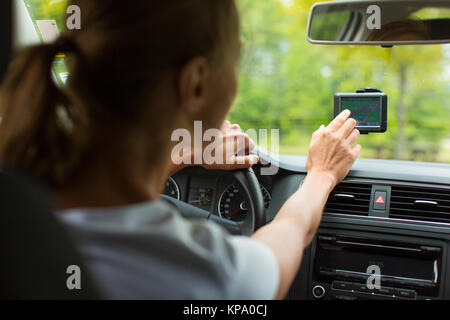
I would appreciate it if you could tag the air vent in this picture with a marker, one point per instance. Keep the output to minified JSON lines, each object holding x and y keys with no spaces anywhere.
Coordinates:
{"x":350,"y":198}
{"x":423,"y":204}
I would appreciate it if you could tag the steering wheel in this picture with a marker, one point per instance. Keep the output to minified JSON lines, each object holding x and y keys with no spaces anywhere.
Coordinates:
{"x":256,"y":211}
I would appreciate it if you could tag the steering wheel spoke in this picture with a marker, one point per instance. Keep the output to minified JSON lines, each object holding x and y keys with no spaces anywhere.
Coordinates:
{"x":256,"y":214}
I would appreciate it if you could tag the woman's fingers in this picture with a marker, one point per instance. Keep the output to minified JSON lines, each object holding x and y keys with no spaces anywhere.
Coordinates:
{"x":235,"y":127}
{"x":320,"y":129}
{"x":238,"y":142}
{"x":332,"y":149}
{"x":356,"y":150}
{"x":339,"y":121}
{"x":353,"y":137}
{"x":235,"y":146}
{"x":347,"y":128}
{"x":226,"y":124}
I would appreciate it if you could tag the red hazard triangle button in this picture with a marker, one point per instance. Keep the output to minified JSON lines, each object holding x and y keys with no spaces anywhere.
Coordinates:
{"x":380,"y":200}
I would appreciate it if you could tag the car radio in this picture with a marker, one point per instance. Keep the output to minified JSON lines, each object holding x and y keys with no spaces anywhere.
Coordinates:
{"x":407,"y":270}
{"x":368,"y":107}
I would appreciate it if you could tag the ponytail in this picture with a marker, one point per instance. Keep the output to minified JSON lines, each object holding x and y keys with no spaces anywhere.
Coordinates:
{"x":52,"y":132}
{"x":39,"y":132}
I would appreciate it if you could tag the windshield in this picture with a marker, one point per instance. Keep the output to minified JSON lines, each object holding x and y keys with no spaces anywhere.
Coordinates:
{"x":288,"y":84}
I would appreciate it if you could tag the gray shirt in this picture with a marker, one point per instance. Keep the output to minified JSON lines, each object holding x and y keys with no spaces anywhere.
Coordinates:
{"x":148,"y":251}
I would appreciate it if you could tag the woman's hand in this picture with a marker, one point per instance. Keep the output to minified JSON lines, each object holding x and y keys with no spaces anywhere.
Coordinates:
{"x":333,"y":151}
{"x":331,"y":155}
{"x":234,"y":145}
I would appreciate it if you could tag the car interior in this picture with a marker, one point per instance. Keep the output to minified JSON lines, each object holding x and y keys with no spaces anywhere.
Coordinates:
{"x":391,"y":213}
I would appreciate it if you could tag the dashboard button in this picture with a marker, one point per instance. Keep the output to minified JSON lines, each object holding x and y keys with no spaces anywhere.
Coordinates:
{"x":380,"y":199}
{"x":318,"y":292}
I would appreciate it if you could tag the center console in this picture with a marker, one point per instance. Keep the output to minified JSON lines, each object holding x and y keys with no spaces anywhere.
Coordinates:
{"x":342,"y":263}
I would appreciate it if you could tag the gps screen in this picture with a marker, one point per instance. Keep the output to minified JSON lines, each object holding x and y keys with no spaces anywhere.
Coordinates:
{"x":367,"y":111}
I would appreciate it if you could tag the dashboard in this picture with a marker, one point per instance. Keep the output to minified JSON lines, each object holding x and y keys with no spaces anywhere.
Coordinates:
{"x":394,"y":215}
{"x":214,"y":191}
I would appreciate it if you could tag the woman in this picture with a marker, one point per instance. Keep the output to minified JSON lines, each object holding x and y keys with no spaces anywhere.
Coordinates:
{"x":137,"y":73}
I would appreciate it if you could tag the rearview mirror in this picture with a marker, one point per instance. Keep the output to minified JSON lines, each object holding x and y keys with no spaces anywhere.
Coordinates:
{"x":383,"y":22}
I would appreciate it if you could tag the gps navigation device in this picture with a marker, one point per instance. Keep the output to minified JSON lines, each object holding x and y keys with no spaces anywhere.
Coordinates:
{"x":368,"y":108}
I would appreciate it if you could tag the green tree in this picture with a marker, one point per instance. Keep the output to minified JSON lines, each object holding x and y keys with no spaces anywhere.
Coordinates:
{"x":288,"y":83}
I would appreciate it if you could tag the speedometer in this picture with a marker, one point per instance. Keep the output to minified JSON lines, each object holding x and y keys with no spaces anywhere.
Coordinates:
{"x":232,"y":205}
{"x":172,"y":190}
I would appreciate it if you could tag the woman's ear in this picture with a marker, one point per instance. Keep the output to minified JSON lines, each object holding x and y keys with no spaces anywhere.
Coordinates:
{"x":193,"y":85}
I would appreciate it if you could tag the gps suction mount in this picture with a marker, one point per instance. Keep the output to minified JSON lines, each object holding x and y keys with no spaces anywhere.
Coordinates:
{"x":369,"y":90}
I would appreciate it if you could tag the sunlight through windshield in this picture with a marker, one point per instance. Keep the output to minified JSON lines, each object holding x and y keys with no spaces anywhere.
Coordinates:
{"x":287,"y":83}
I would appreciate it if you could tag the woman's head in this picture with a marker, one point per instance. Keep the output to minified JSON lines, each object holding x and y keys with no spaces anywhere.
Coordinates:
{"x":137,"y":69}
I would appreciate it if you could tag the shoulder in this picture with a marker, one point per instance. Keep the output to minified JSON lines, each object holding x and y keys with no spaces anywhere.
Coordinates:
{"x":171,"y":257}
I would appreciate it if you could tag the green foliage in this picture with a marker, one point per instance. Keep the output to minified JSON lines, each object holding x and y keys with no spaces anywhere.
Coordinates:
{"x":287,"y":83}
{"x":48,"y":10}
{"x":328,"y":26}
